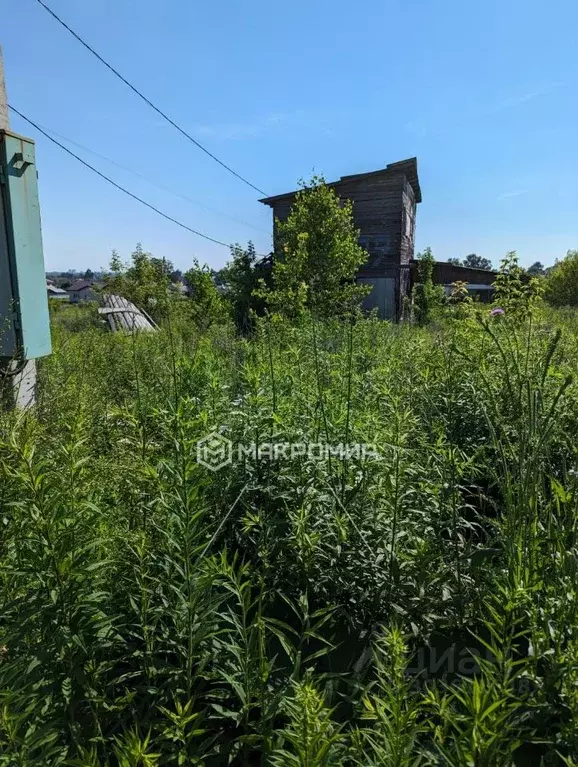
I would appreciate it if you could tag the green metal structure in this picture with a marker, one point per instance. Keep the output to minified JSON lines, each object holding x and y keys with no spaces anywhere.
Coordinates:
{"x":24,"y":321}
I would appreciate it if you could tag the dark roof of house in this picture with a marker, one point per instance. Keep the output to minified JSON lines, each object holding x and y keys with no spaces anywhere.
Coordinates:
{"x":80,"y":285}
{"x":407,"y":167}
{"x":446,"y":273}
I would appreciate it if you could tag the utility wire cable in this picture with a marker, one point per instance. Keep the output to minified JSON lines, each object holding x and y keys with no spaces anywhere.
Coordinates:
{"x":113,"y":183}
{"x":148,"y":101}
{"x":150,"y":181}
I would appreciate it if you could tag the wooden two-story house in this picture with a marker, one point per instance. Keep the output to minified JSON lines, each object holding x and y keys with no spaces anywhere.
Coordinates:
{"x":384,"y":211}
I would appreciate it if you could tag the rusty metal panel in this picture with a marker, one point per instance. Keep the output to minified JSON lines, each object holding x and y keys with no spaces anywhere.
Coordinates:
{"x":24,"y":307}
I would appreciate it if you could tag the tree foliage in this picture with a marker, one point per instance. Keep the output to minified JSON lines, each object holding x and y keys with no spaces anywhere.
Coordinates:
{"x":477,"y":262}
{"x":537,"y":269}
{"x":207,"y":305}
{"x":562,"y":281}
{"x":317,"y":255}
{"x":145,"y":281}
{"x":427,"y":296}
{"x":241,"y":278}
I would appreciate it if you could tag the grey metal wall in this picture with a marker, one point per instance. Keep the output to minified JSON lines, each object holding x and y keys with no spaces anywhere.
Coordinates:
{"x":381,"y":297}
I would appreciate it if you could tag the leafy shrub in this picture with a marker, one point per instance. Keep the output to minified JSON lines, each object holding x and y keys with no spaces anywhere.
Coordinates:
{"x":562,"y":281}
{"x":414,"y":607}
{"x":427,"y":297}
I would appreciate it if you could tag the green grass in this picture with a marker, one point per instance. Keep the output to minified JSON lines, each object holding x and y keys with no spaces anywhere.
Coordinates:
{"x":418,"y":609}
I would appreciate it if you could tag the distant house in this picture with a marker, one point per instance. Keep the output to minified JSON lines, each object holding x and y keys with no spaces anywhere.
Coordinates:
{"x":179,"y":287}
{"x":55,"y":292}
{"x":82,"y":290}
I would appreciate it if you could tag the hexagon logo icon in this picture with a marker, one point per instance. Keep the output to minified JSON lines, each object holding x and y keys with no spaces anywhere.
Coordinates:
{"x":214,"y":451}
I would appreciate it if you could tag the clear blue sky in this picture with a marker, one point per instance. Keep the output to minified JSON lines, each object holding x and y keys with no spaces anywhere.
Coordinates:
{"x":485,"y":94}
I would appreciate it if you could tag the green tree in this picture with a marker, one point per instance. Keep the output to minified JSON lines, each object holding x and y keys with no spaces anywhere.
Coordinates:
{"x":145,"y":281}
{"x":241,"y":278}
{"x":562,"y":281}
{"x":207,"y":305}
{"x":427,"y":296}
{"x":536,"y":270}
{"x":317,"y":255}
{"x":163,"y":267}
{"x":477,"y":262}
{"x":454,"y":261}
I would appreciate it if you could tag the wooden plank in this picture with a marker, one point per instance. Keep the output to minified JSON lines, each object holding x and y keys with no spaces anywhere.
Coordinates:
{"x":124,"y":316}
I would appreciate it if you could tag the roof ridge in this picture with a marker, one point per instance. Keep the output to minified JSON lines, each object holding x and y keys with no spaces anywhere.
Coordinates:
{"x":409,"y":164}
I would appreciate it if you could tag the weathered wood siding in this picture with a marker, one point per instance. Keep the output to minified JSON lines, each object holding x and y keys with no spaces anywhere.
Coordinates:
{"x":377,"y":200}
{"x":407,"y":223}
{"x":384,"y":211}
{"x":445,"y":274}
{"x":378,"y":211}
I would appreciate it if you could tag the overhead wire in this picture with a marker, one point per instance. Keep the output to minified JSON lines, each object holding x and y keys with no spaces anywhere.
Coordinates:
{"x":147,"y":100}
{"x":113,"y":183}
{"x":150,"y":181}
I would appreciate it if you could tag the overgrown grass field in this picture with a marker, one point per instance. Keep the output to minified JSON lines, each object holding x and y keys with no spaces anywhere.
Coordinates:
{"x":414,"y":607}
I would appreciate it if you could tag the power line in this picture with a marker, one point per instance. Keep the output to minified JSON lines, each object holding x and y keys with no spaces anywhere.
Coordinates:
{"x":118,"y":186}
{"x":150,"y":181}
{"x":146,"y":100}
